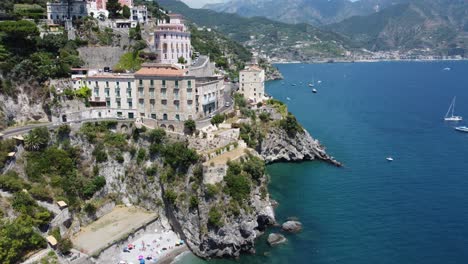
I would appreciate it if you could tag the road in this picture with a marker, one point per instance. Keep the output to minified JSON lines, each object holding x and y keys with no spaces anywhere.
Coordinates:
{"x":200,"y":123}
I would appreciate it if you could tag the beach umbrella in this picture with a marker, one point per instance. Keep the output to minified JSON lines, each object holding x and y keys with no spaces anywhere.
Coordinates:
{"x":141,"y":257}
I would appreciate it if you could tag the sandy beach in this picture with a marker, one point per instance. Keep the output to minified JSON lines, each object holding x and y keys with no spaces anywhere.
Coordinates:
{"x":154,"y":244}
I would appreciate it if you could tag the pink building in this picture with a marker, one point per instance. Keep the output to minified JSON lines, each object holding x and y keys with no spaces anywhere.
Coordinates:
{"x":172,"y":40}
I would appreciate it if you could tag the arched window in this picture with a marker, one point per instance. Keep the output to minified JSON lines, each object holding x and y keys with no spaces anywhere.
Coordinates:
{"x":164,"y":116}
{"x":177,"y":117}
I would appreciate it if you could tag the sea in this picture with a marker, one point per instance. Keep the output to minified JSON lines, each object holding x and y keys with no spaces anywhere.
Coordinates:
{"x":411,"y":210}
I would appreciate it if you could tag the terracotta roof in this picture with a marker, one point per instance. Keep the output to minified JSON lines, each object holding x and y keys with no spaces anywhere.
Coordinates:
{"x":255,"y":68}
{"x":163,"y":70}
{"x":111,"y":76}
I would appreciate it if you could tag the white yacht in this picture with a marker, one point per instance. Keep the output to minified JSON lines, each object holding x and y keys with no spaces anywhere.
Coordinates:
{"x":389,"y":159}
{"x":462,"y":129}
{"x":450,"y":116}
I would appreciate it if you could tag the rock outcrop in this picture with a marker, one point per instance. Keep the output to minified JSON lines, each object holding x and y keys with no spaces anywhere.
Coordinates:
{"x":292,"y":226}
{"x":276,"y":239}
{"x":279,"y":146}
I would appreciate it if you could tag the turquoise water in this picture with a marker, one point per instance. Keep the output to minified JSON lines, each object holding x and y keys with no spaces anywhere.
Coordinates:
{"x":414,"y":210}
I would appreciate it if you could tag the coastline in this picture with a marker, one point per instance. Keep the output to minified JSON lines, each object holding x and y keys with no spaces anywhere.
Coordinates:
{"x":331,"y":60}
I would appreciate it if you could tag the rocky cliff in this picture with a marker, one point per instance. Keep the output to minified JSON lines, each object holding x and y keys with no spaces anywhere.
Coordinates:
{"x":279,"y":146}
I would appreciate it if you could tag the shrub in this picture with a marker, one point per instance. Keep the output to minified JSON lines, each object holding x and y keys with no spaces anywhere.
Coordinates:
{"x":217,"y":119}
{"x":237,"y":184}
{"x":179,"y":156}
{"x":170,"y":196}
{"x":190,"y":126}
{"x":193,"y":202}
{"x":11,"y":182}
{"x":41,"y":193}
{"x":65,"y":246}
{"x":89,"y":208}
{"x":265,"y":117}
{"x":141,"y":156}
{"x":255,"y":167}
{"x":37,"y":139}
{"x":211,"y":190}
{"x":93,"y":186}
{"x":100,"y":153}
{"x":290,"y":125}
{"x":157,"y":135}
{"x":239,"y":100}
{"x":215,"y":217}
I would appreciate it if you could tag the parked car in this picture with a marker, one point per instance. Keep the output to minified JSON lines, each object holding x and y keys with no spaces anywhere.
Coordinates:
{"x":227,"y":104}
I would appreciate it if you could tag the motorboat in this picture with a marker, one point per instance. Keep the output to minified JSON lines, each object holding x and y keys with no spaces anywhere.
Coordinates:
{"x":390,"y":159}
{"x":314,"y":90}
{"x":462,"y":129}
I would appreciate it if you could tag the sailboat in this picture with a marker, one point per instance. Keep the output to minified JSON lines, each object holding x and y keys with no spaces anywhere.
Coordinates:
{"x":449,"y":116}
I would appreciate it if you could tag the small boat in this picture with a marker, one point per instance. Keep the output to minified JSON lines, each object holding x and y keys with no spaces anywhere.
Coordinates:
{"x":293,"y":84}
{"x":462,"y":129}
{"x":311,"y":85}
{"x":319,"y":82}
{"x":449,"y":116}
{"x":389,"y":159}
{"x":447,"y":69}
{"x":287,"y":98}
{"x":314,"y":90}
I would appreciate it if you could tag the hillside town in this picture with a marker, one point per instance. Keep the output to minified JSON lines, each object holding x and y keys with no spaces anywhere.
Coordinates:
{"x":178,"y":85}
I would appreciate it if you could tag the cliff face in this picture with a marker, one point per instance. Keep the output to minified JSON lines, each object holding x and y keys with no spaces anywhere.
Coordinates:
{"x":279,"y":146}
{"x":238,"y":232}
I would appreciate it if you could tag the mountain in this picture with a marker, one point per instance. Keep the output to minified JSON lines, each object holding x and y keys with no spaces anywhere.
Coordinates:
{"x":439,"y":26}
{"x":264,"y":36}
{"x":314,"y":12}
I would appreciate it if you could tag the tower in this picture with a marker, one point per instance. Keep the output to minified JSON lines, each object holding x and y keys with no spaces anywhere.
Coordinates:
{"x":172,"y":40}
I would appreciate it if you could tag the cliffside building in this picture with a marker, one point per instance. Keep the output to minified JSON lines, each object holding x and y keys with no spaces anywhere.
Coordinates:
{"x":163,"y":92}
{"x":252,"y":83}
{"x":62,"y":10}
{"x":172,"y":40}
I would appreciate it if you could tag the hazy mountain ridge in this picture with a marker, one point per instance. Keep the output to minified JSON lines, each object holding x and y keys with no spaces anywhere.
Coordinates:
{"x":276,"y":39}
{"x":436,"y":25}
{"x":315,"y":12}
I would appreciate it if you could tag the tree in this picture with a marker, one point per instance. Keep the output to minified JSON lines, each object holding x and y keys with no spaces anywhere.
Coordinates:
{"x":37,"y":139}
{"x":114,"y":7}
{"x":217,"y":119}
{"x":126,"y":11}
{"x":190,"y":126}
{"x":181,"y":60}
{"x":290,"y":125}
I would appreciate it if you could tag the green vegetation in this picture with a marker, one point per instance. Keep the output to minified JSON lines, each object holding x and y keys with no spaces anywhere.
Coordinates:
{"x":275,"y":38}
{"x":178,"y":156}
{"x":217,"y":119}
{"x":126,"y":12}
{"x":220,"y":49}
{"x":211,"y":190}
{"x":32,"y":11}
{"x":6,"y":146}
{"x":190,"y":126}
{"x":215,"y":217}
{"x":238,"y":185}
{"x":37,"y":139}
{"x":17,"y":238}
{"x":291,"y":126}
{"x":29,"y":57}
{"x":170,"y":196}
{"x":114,"y":7}
{"x":279,"y":106}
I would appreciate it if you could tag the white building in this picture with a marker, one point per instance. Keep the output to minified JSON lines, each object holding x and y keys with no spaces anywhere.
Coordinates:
{"x":139,"y":14}
{"x":114,"y":93}
{"x":172,"y":40}
{"x":61,"y":10}
{"x":252,"y":83}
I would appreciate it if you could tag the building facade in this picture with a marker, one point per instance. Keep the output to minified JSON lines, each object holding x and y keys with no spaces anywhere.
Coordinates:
{"x":172,"y":40}
{"x":165,"y":92}
{"x":252,"y":83}
{"x":114,"y":93}
{"x":162,"y":92}
{"x":62,"y":10}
